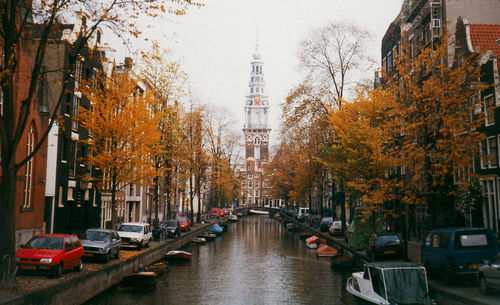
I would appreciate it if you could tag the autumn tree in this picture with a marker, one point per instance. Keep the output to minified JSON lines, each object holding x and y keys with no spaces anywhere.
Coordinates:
{"x":16,"y":22}
{"x":124,"y":134}
{"x":167,"y":79}
{"x":438,"y":126}
{"x":221,"y":146}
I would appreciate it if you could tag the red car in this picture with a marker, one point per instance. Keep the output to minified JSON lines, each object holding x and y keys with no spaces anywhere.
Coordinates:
{"x":216,"y":212}
{"x":53,"y":253}
{"x":184,"y":223}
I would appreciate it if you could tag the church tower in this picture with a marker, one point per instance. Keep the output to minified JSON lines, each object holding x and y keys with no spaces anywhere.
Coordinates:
{"x":256,"y":132}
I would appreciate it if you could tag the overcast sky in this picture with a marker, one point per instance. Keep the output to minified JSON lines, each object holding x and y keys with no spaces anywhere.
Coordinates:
{"x":215,"y":43}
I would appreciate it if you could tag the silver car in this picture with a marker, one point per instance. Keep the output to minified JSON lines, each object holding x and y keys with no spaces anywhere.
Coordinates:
{"x":488,"y":275}
{"x":101,"y":244}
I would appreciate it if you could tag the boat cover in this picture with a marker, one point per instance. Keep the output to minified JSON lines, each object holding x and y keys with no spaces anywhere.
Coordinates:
{"x":215,"y":229}
{"x":405,"y":285}
{"x":326,"y":251}
{"x":312,"y":239}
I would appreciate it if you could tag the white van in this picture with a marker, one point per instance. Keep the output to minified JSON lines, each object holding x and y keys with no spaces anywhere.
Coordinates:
{"x":137,"y":234}
{"x":302,"y":213}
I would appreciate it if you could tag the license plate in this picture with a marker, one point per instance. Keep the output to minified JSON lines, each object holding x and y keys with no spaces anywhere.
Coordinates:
{"x":28,"y":267}
{"x":125,"y":242}
{"x":88,"y":254}
{"x":474,"y":266}
{"x":389,"y":252}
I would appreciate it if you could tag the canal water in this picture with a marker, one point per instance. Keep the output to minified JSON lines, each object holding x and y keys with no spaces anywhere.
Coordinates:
{"x":256,"y":262}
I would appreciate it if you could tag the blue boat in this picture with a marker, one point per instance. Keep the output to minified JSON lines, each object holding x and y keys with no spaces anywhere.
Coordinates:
{"x":215,"y":229}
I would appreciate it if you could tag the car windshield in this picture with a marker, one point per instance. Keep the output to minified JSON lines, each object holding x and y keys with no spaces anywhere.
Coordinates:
{"x":386,"y":239}
{"x":130,"y":228}
{"x":97,"y":235}
{"x":44,"y":242}
{"x":171,"y":223}
{"x":327,"y":219}
{"x":182,"y":219}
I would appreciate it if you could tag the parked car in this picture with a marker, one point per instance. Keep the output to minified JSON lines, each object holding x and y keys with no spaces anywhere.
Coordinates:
{"x":458,"y":251}
{"x":302,"y":213}
{"x":314,"y":221}
{"x":216,"y":212}
{"x":336,"y":227}
{"x":488,"y":275}
{"x":171,"y":227}
{"x":101,"y":244}
{"x":325,"y":223}
{"x":53,"y":253}
{"x":384,"y":245}
{"x":135,"y":234}
{"x":184,"y":222}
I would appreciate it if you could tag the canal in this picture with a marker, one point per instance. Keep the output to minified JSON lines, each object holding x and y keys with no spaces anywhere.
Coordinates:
{"x":256,"y":262}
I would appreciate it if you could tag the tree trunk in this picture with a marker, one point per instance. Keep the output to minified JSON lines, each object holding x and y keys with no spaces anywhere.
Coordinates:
{"x":7,"y":225}
{"x":114,"y":214}
{"x":157,"y":203}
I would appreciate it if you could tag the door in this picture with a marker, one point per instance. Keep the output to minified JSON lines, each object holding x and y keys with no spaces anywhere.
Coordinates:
{"x":493,"y":273}
{"x":68,"y":258}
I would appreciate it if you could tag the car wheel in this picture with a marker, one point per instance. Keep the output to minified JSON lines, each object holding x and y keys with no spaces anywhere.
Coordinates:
{"x":79,"y":267}
{"x":107,"y":257}
{"x":483,"y":285}
{"x":58,"y":271}
{"x":139,"y":246}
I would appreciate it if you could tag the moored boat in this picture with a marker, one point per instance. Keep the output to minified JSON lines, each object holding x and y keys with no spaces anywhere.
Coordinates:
{"x":199,"y":240}
{"x":312,"y":242}
{"x":215,"y":229}
{"x":233,"y":218}
{"x":390,"y":283}
{"x":178,"y":254}
{"x":326,"y":251}
{"x":304,"y":235}
{"x":141,"y":278}
{"x":207,"y":236}
{"x":291,"y":227}
{"x":341,"y":261}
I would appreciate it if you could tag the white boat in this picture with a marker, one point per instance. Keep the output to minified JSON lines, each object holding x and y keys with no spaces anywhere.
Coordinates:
{"x":233,"y":218}
{"x":199,"y":240}
{"x":178,"y":254}
{"x":259,"y":212}
{"x":390,"y":283}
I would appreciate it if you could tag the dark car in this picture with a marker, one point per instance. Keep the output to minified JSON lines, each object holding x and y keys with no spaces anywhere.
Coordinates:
{"x":171,"y":228}
{"x":325,"y":223}
{"x":101,"y":244}
{"x":314,"y":221}
{"x":459,"y":251}
{"x":384,"y":245}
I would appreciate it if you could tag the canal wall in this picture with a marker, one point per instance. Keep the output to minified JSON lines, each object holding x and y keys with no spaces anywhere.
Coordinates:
{"x":83,"y":286}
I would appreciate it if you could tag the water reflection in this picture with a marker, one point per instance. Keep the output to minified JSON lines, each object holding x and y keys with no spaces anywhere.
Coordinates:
{"x":255,"y":262}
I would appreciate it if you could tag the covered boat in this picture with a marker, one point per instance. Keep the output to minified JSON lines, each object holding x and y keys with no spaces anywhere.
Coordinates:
{"x":215,"y":229}
{"x":326,"y":251}
{"x":207,"y":236}
{"x":291,"y":227}
{"x":341,"y":261}
{"x":233,"y":218}
{"x":390,"y":283}
{"x":178,"y":254}
{"x":312,"y":242}
{"x":304,"y":235}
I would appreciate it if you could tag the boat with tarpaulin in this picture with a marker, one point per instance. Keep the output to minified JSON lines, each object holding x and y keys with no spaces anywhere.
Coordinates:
{"x":390,"y":283}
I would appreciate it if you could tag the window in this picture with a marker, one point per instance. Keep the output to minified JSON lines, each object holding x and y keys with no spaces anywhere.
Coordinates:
{"x":489,"y":110}
{"x":435,"y":240}
{"x":492,"y":152}
{"x":28,"y":175}
{"x":74,"y":113}
{"x":78,"y":73}
{"x":72,"y":153}
{"x":68,"y":245}
{"x":256,"y":183}
{"x":257,"y":141}
{"x":250,"y":184}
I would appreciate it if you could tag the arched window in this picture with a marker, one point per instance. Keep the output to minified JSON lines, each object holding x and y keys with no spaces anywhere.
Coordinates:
{"x":257,"y":141}
{"x":98,"y":39}
{"x":28,"y":175}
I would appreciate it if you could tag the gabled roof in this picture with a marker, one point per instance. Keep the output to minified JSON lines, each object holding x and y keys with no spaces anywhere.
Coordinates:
{"x":484,"y":37}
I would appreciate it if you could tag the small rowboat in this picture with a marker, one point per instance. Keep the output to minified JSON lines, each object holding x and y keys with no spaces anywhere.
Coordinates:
{"x":141,"y":278}
{"x":304,"y":235}
{"x":178,"y":254}
{"x":341,"y":262}
{"x":208,"y":236}
{"x":199,"y":240}
{"x":326,"y":251}
{"x":312,"y":242}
